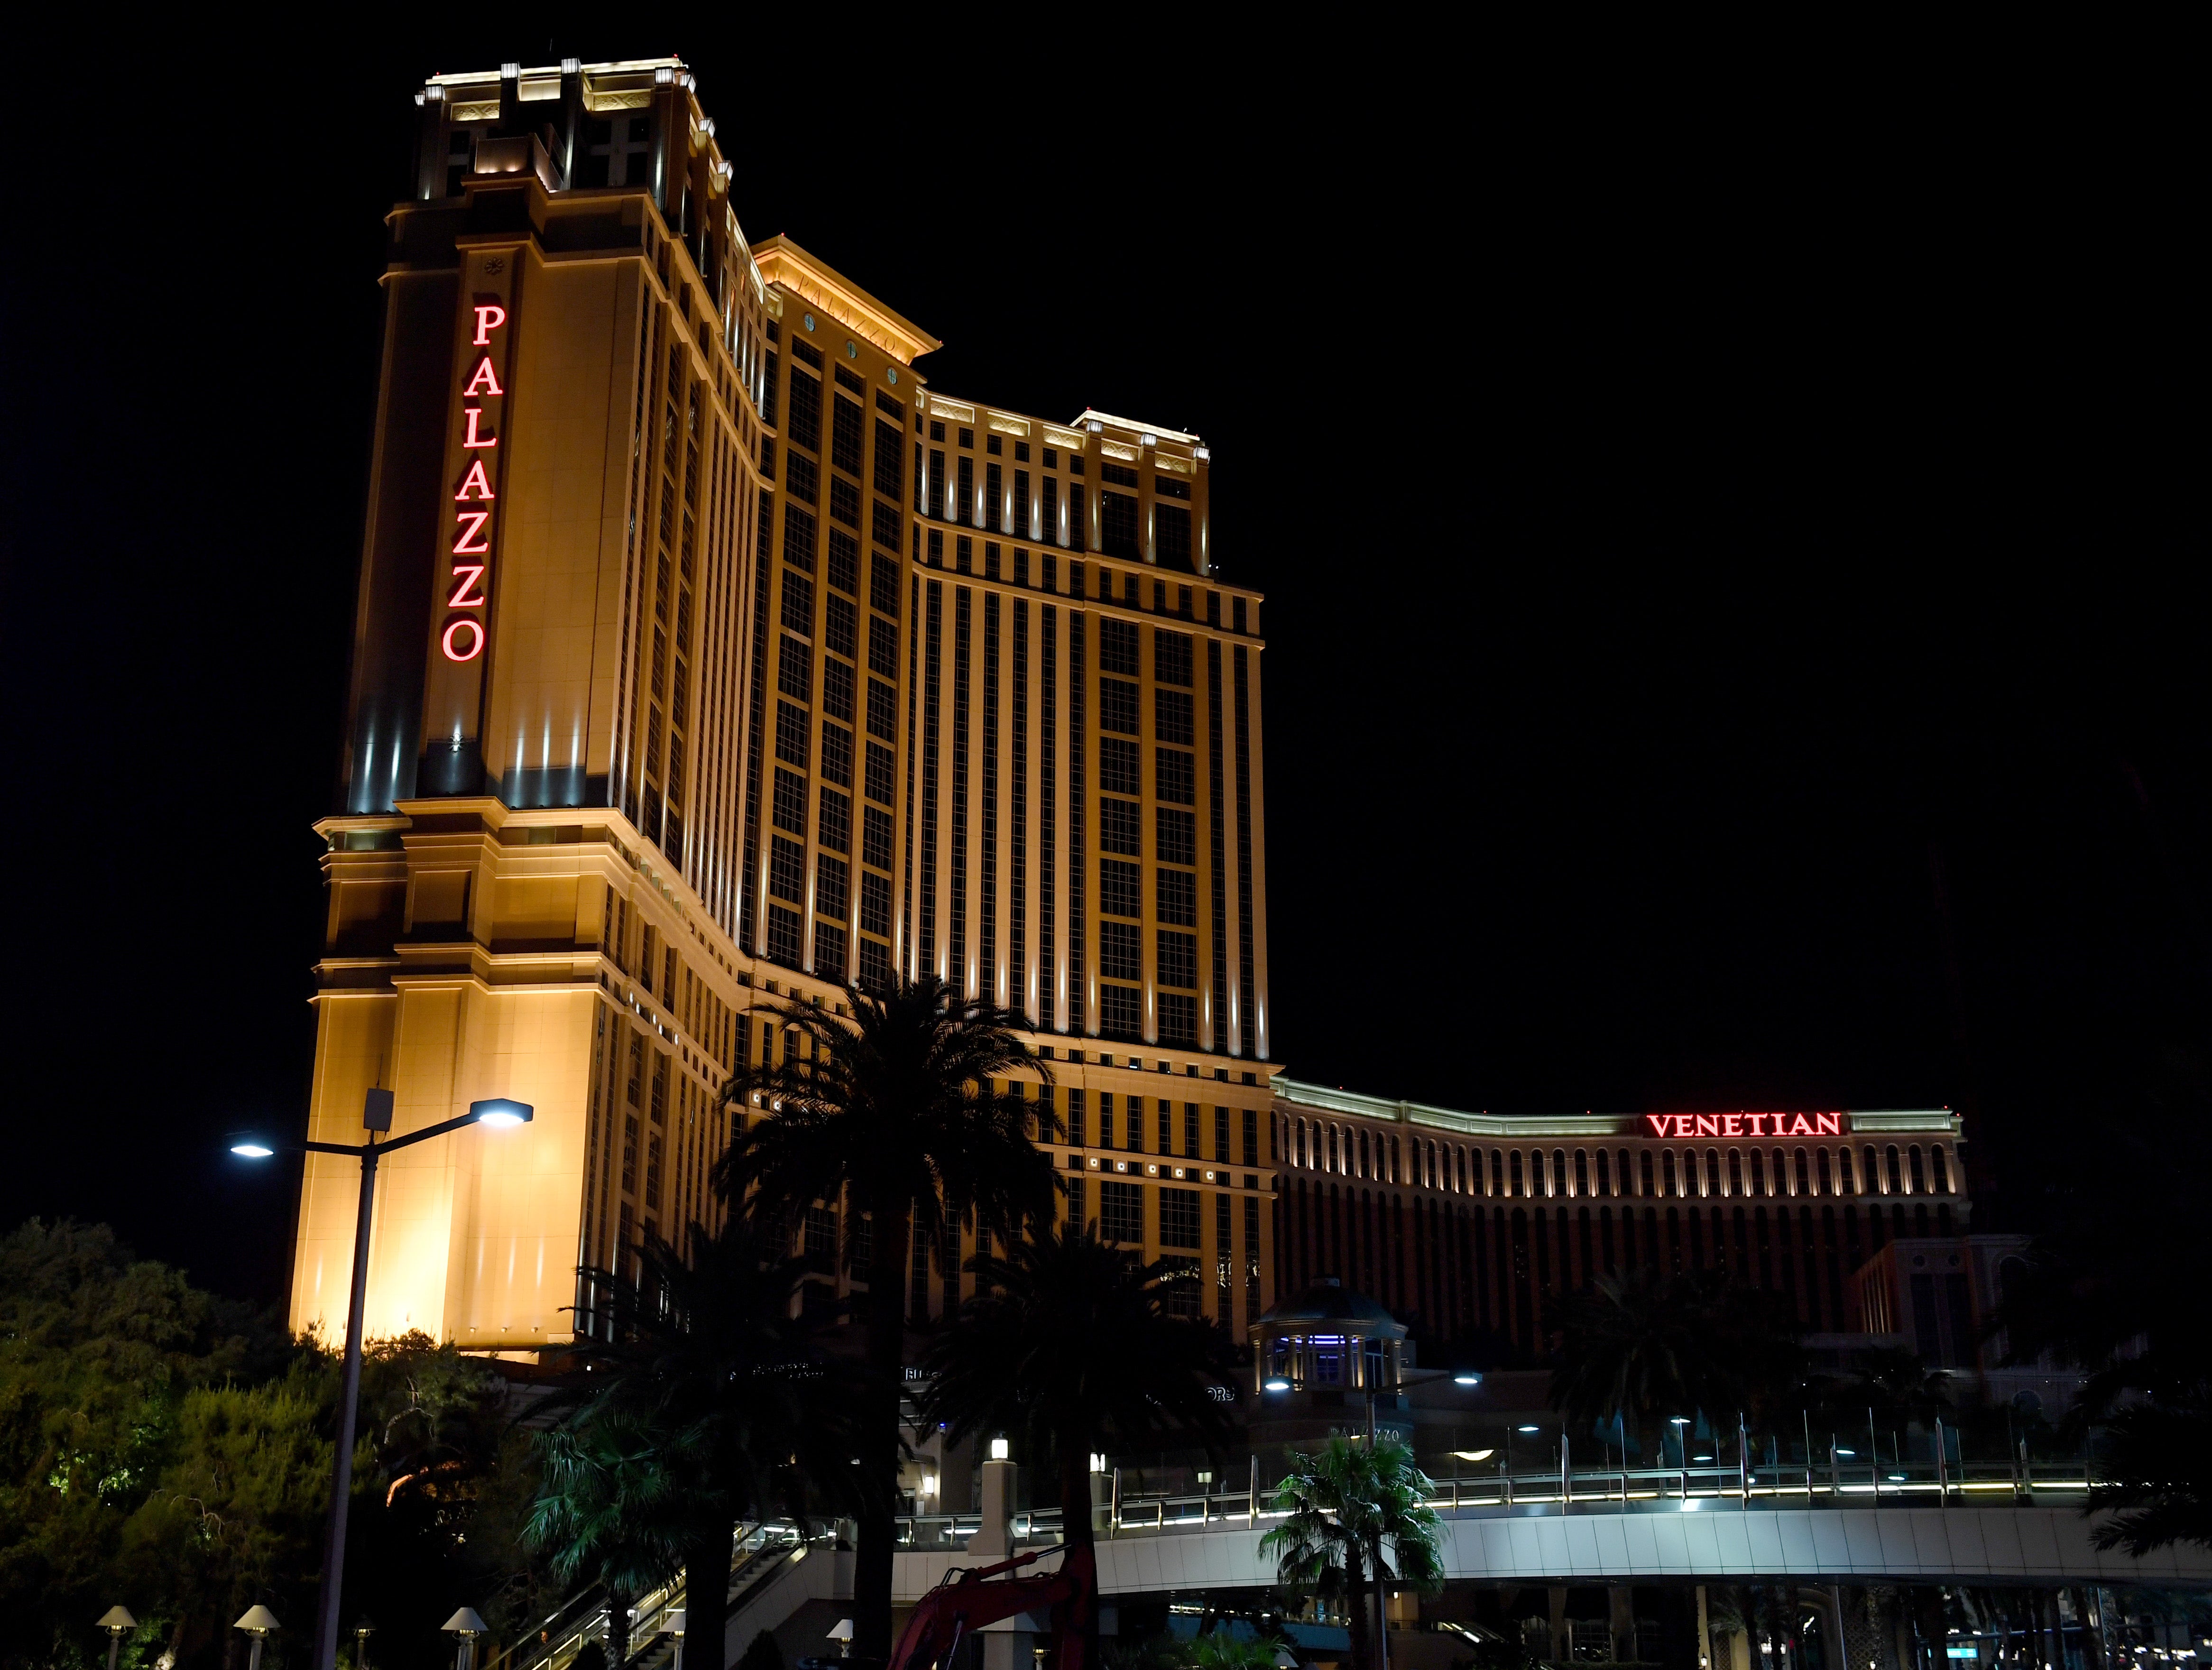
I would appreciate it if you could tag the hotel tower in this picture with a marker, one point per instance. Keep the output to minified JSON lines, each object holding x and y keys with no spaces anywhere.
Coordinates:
{"x":707,"y":660}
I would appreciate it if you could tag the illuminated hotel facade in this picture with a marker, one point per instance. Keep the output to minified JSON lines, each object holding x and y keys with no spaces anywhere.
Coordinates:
{"x":1482,"y":1224}
{"x":707,"y":659}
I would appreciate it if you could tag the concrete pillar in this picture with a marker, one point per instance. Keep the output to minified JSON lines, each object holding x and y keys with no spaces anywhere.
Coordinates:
{"x":996,"y":1535}
{"x":1556,"y":1600}
{"x":1620,"y":1604}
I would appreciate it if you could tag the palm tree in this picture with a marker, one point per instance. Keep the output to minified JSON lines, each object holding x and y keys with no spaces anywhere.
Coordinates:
{"x":1069,"y":1343}
{"x":612,"y":1505}
{"x":892,"y":1113}
{"x":705,"y":1348}
{"x":1648,"y":1344}
{"x":1345,"y":1502}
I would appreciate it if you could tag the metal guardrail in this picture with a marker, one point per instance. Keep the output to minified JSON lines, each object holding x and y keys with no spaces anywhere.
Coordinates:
{"x":553,"y":1641}
{"x":1591,"y":1490}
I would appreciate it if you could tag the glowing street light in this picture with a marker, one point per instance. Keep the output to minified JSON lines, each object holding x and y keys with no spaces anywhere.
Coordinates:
{"x":499,"y":1113}
{"x":260,"y":1623}
{"x":118,"y":1623}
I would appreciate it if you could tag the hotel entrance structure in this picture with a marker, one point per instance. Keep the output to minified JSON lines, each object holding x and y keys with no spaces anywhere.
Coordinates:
{"x":707,"y":658}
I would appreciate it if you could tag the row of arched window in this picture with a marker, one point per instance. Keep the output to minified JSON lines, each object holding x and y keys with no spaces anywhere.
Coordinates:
{"x":1680,"y":1173}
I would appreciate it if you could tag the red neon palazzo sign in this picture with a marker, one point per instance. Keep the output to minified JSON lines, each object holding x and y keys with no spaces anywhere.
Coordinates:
{"x":1743,"y":1125}
{"x":469,"y":593}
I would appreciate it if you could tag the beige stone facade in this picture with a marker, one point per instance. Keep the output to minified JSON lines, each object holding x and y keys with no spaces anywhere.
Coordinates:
{"x":707,"y":659}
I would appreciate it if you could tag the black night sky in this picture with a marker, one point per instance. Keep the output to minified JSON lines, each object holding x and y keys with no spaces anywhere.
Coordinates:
{"x":1736,"y":606}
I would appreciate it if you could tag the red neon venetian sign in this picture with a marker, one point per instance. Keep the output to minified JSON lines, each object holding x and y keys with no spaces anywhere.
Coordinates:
{"x":463,"y":637}
{"x":1744,"y":1124}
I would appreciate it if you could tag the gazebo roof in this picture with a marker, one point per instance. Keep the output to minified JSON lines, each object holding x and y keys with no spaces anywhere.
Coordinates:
{"x":1329,"y":1300}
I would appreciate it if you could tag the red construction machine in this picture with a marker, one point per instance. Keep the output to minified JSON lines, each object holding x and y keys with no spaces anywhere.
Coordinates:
{"x":970,"y":1598}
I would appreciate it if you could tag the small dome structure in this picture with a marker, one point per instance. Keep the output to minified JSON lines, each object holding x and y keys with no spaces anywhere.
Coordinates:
{"x":1328,"y":1337}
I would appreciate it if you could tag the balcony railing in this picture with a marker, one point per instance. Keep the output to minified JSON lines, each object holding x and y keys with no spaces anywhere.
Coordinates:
{"x":1580,"y":1489}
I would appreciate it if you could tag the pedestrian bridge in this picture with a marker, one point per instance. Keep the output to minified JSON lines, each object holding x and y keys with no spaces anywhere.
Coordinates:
{"x":1827,"y":1526}
{"x":1988,"y":1524}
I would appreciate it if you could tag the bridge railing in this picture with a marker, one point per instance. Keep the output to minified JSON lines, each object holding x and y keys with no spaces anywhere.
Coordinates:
{"x":1581,"y":1490}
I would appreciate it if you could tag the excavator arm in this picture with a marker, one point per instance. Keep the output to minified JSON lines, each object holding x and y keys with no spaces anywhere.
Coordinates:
{"x":970,"y":1598}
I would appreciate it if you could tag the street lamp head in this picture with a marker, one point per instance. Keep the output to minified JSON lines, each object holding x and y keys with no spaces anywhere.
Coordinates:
{"x":463,"y":1622}
{"x":258,"y":1621}
{"x":1678,"y":1420}
{"x":1278,"y":1385}
{"x":1466,"y":1377}
{"x":116,"y":1619}
{"x":1527,"y":1429}
{"x":500,"y":1111}
{"x":251,"y":1148}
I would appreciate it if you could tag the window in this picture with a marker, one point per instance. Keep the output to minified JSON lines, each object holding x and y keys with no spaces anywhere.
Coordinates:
{"x":789,"y":812}
{"x":1178,"y":835}
{"x":876,"y":837}
{"x":845,"y":501}
{"x":1251,"y":1157}
{"x":1177,"y":893}
{"x":883,"y":584}
{"x":804,"y":423}
{"x":840,"y":629}
{"x":821,"y":1237}
{"x":1175,"y":775}
{"x":1121,"y":1214}
{"x":1179,"y":1217}
{"x":1171,"y":717}
{"x":1178,"y":1018}
{"x":1117,"y":1008}
{"x":994,"y":496}
{"x":875,"y":973}
{"x":884,"y":523}
{"x":963,"y":506}
{"x":1172,"y":660}
{"x":1117,"y":643}
{"x":879,"y":761}
{"x":1178,"y":958}
{"x":1171,"y":537}
{"x":936,"y":431}
{"x":1117,"y":525}
{"x":882,"y":715}
{"x":1170,"y":487}
{"x":1117,"y":707}
{"x":994,"y":446}
{"x":883,"y":646}
{"x":833,"y":829}
{"x":829,"y":950}
{"x":793,"y":677}
{"x":1120,"y":827}
{"x":791,"y":727}
{"x":875,"y":904}
{"x":836,"y":689}
{"x":833,"y":884}
{"x":1120,"y":474}
{"x":799,"y":603}
{"x":844,"y":562}
{"x":1121,"y":951}
{"x":1119,"y":887}
{"x":845,"y":431}
{"x":1117,"y":767}
{"x":803,"y":479}
{"x":786,"y":870}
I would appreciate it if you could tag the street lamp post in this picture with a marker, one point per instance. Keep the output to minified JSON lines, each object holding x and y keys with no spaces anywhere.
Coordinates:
{"x":118,"y":1623}
{"x":375,"y":1116}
